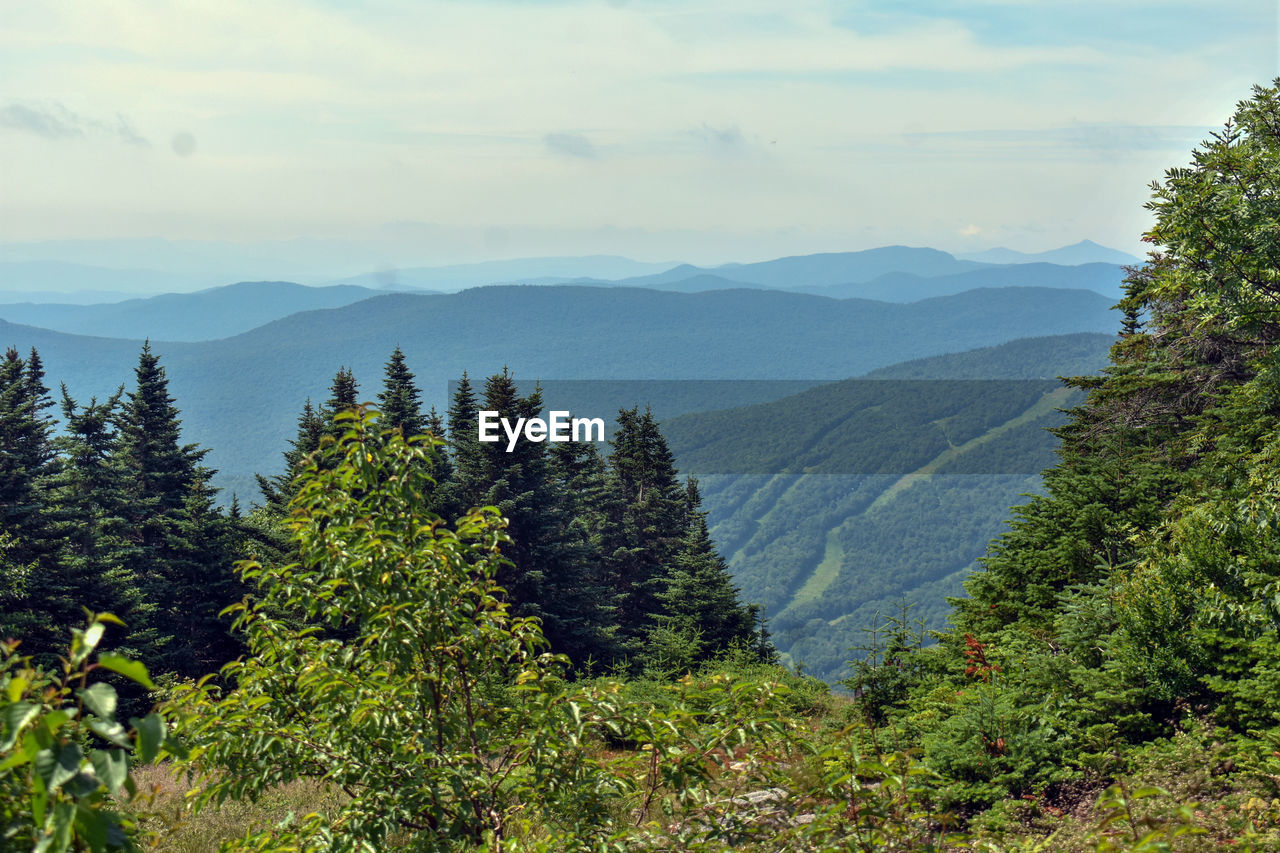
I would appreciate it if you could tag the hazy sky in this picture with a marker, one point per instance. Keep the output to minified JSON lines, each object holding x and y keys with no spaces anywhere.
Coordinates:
{"x":701,"y":130}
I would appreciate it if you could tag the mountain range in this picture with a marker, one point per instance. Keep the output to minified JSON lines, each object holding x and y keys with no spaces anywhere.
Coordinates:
{"x":119,"y":269}
{"x":240,"y":395}
{"x":217,"y":312}
{"x":832,"y":498}
{"x":1084,"y":252}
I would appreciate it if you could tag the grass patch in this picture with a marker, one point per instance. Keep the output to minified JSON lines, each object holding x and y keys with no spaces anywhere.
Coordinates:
{"x":180,"y":829}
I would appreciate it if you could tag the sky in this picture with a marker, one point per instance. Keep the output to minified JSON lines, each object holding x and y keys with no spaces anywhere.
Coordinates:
{"x":414,"y":132}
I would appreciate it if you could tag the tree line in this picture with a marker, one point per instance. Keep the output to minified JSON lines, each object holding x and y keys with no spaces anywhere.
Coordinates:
{"x":114,"y":513}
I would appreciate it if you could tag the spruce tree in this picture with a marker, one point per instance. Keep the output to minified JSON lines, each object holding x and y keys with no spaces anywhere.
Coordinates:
{"x":89,"y":501}
{"x":581,"y":609}
{"x":344,"y":395}
{"x":516,"y":482}
{"x":179,"y":545}
{"x":279,"y":489}
{"x":699,"y":598}
{"x":400,"y":400}
{"x":468,"y":483}
{"x":26,"y":465}
{"x":647,"y":524}
{"x":26,"y":456}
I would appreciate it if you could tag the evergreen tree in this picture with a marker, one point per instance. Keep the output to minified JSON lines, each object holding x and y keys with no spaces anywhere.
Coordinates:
{"x":647,"y":524}
{"x":88,"y":500}
{"x":26,"y":456}
{"x":26,"y":465}
{"x":278,"y":490}
{"x":344,"y":395}
{"x":400,"y":400}
{"x":161,"y":468}
{"x":467,"y":484}
{"x":517,"y":483}
{"x":699,"y":599}
{"x":179,"y":545}
{"x":583,"y":606}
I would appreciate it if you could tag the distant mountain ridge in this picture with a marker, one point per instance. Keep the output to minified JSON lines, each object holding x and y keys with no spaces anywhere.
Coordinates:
{"x":21,"y":280}
{"x":186,"y":267}
{"x":455,"y":277}
{"x":819,"y":270}
{"x":1084,"y":252}
{"x":1106,"y":279}
{"x":240,"y":396}
{"x":218,"y":312}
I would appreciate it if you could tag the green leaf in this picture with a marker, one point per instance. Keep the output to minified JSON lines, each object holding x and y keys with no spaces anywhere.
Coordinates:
{"x":111,"y":618}
{"x":112,"y":767}
{"x":39,"y":799}
{"x":93,"y":636}
{"x":151,"y":732}
{"x":15,"y":688}
{"x":84,"y":642}
{"x":111,"y":731}
{"x":100,"y":698}
{"x":57,"y":768}
{"x":91,"y":827}
{"x":133,"y":670}
{"x":30,"y":746}
{"x":55,"y":720}
{"x":64,"y":816}
{"x":16,"y":716}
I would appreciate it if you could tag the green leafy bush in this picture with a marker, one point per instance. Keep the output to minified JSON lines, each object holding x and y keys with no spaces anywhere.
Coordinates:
{"x":386,"y":663}
{"x":65,"y":760}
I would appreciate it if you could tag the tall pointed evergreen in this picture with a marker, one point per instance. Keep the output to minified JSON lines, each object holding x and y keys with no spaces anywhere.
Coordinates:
{"x":88,"y":502}
{"x":649,"y":517}
{"x":162,"y":468}
{"x":26,"y":455}
{"x":516,"y":482}
{"x":468,"y":483}
{"x":344,"y":395}
{"x":400,"y":400}
{"x":699,"y":598}
{"x":26,"y":464}
{"x":278,"y":490}
{"x":176,"y":535}
{"x":587,"y":604}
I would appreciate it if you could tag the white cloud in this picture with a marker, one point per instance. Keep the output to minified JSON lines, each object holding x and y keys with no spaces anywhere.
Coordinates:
{"x":328,"y":116}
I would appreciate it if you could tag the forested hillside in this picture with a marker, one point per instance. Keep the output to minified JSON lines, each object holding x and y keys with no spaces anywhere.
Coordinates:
{"x":852,"y":499}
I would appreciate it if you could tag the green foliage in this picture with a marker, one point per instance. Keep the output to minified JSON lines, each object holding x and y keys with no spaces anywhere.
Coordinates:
{"x":888,"y":665}
{"x":386,"y":663}
{"x":66,"y":762}
{"x":400,"y":399}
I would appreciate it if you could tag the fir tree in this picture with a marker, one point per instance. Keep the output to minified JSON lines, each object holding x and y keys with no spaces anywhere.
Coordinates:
{"x":467,"y":483}
{"x":26,"y":455}
{"x":26,"y":464}
{"x":400,"y":400}
{"x":278,"y":490}
{"x":178,"y":543}
{"x":161,"y":468}
{"x":647,"y":524}
{"x":89,"y":501}
{"x":516,"y":482}
{"x":344,"y":395}
{"x":699,"y":598}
